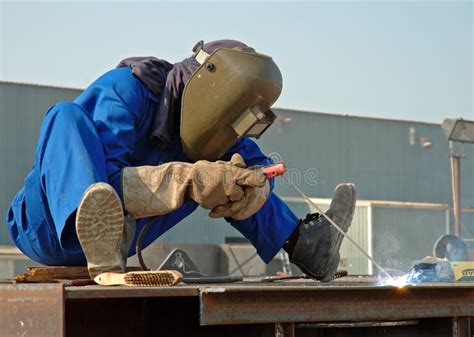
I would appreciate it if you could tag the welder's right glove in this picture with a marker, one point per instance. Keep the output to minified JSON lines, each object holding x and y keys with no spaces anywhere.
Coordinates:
{"x":250,"y":203}
{"x":254,"y":198}
{"x":157,"y":190}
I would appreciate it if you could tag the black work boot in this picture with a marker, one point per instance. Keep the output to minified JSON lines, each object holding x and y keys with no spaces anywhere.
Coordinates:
{"x":317,"y":243}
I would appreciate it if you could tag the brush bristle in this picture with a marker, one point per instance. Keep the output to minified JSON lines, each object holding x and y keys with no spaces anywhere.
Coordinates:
{"x":162,"y":278}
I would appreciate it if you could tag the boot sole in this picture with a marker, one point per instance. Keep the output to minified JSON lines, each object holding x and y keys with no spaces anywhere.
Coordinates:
{"x":345,"y":225}
{"x":99,"y":228}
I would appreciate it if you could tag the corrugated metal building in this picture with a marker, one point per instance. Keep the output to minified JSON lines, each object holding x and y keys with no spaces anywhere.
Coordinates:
{"x":384,"y":158}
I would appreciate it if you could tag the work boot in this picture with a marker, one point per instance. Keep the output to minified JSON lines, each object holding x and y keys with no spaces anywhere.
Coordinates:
{"x":101,"y":231}
{"x":317,"y":242}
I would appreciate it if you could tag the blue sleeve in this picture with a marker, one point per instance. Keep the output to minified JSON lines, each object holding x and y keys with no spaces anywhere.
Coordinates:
{"x":274,"y":222}
{"x":115,"y":102}
{"x":251,"y":153}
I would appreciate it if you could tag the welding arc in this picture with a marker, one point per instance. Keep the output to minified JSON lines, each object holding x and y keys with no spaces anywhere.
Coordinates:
{"x":308,"y":200}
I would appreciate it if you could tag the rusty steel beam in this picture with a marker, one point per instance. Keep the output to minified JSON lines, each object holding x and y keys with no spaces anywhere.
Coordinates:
{"x":50,"y":310}
{"x":94,"y":292}
{"x":462,"y":327}
{"x":332,"y":304}
{"x":288,"y":329}
{"x":373,"y":324}
{"x":32,"y":310}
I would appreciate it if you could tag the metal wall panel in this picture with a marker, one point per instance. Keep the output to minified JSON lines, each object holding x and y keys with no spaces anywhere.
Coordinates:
{"x":401,"y":236}
{"x":375,"y":154}
{"x":351,"y":258}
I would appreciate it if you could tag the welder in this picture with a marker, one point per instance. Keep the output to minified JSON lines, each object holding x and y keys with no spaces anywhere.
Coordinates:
{"x":151,"y":138}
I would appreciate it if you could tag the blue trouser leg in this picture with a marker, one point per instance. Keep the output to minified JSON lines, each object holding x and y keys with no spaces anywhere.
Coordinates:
{"x":69,"y":158}
{"x":269,"y":228}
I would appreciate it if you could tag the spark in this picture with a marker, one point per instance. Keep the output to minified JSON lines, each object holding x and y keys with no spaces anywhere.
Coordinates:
{"x":402,"y":280}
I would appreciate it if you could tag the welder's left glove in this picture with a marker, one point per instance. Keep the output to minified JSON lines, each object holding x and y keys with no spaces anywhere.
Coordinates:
{"x":251,"y":202}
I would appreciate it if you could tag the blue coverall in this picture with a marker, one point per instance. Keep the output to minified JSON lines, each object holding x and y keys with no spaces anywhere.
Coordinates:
{"x":90,"y":140}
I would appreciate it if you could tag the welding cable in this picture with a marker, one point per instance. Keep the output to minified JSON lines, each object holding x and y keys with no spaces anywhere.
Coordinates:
{"x":139,"y":247}
{"x":139,"y":244}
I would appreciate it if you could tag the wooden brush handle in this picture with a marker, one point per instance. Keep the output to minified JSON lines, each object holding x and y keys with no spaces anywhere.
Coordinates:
{"x":110,"y":279}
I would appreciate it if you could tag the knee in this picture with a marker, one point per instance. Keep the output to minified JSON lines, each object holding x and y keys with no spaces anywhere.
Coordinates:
{"x":67,"y":112}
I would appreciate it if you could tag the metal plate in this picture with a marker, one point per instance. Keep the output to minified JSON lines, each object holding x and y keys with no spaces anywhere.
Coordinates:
{"x":32,"y":310}
{"x":355,"y":324}
{"x":332,"y":304}
{"x":94,"y":292}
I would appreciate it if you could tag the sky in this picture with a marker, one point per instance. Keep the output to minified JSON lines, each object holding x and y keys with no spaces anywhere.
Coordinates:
{"x":391,"y":59}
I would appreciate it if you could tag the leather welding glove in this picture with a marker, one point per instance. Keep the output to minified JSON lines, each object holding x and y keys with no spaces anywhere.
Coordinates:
{"x":253,"y":199}
{"x":156,"y":190}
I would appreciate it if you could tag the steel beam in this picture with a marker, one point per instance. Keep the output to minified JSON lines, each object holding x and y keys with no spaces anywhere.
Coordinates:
{"x":95,"y":292}
{"x":32,"y":310}
{"x":461,"y":327}
{"x":456,"y":187}
{"x":333,"y":304}
{"x":208,"y":310}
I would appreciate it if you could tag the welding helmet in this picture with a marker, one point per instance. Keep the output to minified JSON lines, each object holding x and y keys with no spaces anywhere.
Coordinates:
{"x":228,"y":97}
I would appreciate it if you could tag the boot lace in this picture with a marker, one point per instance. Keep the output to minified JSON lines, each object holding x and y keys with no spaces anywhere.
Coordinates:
{"x":311,"y":219}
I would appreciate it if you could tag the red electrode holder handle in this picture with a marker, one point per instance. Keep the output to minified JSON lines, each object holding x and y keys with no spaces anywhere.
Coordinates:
{"x":274,"y":170}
